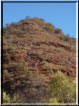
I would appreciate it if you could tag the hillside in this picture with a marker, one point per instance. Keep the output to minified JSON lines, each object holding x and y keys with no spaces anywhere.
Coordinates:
{"x":33,"y":52}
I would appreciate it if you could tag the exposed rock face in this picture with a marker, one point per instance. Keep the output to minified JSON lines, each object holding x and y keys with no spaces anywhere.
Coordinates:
{"x":32,"y":45}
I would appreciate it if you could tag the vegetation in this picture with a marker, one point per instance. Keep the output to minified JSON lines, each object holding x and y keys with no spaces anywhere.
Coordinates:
{"x":49,"y":27}
{"x":57,"y":31}
{"x":53,"y":100}
{"x":33,"y":53}
{"x":63,"y":90}
{"x":60,"y":90}
{"x":6,"y":98}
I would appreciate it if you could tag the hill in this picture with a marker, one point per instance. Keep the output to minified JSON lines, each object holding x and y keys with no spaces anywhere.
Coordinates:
{"x":33,"y":53}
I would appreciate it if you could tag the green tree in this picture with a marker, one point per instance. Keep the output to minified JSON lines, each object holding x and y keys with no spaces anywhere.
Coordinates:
{"x":63,"y":90}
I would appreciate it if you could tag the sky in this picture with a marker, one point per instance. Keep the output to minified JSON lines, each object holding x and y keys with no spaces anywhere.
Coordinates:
{"x":61,"y":15}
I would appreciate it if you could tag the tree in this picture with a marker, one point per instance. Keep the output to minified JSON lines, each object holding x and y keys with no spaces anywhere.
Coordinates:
{"x":61,"y":89}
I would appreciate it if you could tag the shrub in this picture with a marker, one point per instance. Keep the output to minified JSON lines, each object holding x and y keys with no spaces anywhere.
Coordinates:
{"x":6,"y":97}
{"x":57,"y":31}
{"x":53,"y":100}
{"x":33,"y":74}
{"x":62,"y":89}
{"x":6,"y":75}
{"x":15,"y":99}
{"x":49,"y":27}
{"x":66,"y":38}
{"x":39,"y":21}
{"x":16,"y":65}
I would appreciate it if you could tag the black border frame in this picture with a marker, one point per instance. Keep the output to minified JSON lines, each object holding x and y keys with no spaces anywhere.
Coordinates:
{"x":2,"y":31}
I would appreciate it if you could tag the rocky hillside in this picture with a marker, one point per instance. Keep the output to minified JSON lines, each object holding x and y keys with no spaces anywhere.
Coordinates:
{"x":33,"y":52}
